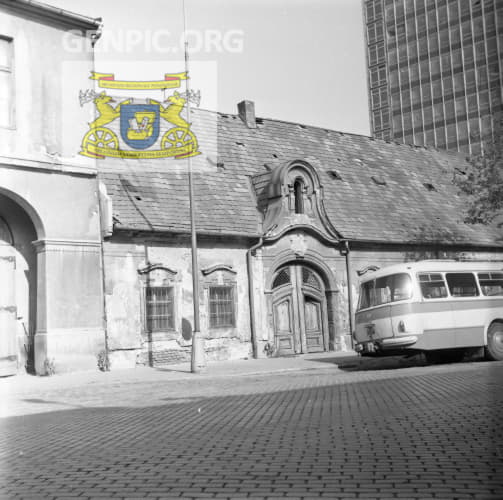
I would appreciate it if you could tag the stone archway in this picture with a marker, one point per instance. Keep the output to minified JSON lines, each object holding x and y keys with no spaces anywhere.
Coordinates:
{"x":18,"y":294}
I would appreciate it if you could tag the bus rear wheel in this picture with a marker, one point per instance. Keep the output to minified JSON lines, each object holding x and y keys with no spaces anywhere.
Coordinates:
{"x":494,"y":348}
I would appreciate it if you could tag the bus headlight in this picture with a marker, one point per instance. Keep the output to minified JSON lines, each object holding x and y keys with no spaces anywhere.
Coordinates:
{"x":401,"y":327}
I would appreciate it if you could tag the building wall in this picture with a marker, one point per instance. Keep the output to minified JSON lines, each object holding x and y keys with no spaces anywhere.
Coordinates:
{"x":48,"y":120}
{"x":54,"y":217}
{"x":49,"y":195}
{"x":126,"y":256}
{"x":435,"y":71}
{"x":128,"y":339}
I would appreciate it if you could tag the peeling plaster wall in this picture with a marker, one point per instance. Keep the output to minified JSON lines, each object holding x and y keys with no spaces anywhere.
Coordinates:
{"x":127,"y":337}
{"x":48,"y":74}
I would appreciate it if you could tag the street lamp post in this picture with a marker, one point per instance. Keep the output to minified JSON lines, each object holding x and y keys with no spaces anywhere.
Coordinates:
{"x":197,"y":354}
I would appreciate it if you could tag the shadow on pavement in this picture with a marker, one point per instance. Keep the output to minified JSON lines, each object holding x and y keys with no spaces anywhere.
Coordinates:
{"x":356,"y":363}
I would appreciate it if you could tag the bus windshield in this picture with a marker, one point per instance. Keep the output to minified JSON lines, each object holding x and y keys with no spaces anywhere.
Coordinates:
{"x":384,"y":290}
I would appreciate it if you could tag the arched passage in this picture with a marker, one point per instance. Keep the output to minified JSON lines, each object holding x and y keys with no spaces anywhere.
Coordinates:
{"x":18,"y":276}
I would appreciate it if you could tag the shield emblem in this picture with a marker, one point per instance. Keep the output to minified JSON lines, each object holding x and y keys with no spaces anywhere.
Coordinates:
{"x":139,"y":124}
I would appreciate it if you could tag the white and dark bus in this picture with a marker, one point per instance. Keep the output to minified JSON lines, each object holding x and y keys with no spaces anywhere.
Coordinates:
{"x":439,"y":307}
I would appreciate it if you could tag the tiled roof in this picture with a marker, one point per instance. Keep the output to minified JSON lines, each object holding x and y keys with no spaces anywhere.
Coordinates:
{"x":373,"y":190}
{"x":149,"y":199}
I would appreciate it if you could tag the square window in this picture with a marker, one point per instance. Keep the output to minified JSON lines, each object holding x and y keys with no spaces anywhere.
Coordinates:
{"x":159,"y":308}
{"x":221,"y":306}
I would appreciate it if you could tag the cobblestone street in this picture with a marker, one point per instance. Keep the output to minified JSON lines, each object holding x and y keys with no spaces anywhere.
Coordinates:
{"x":337,"y":431}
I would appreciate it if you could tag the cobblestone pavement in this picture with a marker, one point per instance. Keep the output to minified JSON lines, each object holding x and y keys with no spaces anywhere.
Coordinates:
{"x":412,"y":432}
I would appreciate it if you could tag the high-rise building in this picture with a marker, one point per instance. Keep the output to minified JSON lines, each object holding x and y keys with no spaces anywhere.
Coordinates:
{"x":435,"y":71}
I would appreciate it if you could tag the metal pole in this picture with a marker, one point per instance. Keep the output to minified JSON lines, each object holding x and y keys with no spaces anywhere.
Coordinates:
{"x":197,"y":355}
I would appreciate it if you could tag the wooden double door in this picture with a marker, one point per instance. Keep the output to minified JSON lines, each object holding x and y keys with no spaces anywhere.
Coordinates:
{"x":299,"y":310}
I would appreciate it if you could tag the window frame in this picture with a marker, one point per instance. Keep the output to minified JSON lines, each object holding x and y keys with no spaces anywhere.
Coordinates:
{"x":11,"y":93}
{"x":467,"y":273}
{"x":170,"y":317}
{"x":220,"y":275}
{"x":231,"y":300}
{"x":387,"y":302}
{"x":492,"y":276}
{"x":441,"y":280}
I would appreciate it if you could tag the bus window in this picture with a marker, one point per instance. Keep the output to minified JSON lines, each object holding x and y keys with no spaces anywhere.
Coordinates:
{"x":385,"y":290}
{"x":382,"y":291}
{"x":402,"y":287}
{"x":462,"y":284}
{"x":365,"y":292}
{"x":491,"y":283}
{"x":432,"y":285}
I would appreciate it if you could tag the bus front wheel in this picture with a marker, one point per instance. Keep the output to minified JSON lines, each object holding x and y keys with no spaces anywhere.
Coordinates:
{"x":494,"y":347}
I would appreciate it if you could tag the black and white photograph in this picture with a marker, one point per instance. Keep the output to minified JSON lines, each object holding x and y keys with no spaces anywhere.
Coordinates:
{"x":251,"y":249}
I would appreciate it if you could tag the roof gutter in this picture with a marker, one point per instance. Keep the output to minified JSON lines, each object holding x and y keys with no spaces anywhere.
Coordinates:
{"x":425,"y":243}
{"x":55,"y":14}
{"x":119,"y":229}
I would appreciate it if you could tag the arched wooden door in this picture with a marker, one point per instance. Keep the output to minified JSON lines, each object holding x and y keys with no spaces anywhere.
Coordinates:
{"x":8,"y":347}
{"x":299,"y":310}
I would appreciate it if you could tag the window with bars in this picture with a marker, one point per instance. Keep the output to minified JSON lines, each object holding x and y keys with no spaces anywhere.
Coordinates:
{"x":159,"y":308}
{"x":6,"y":82}
{"x":221,"y":306}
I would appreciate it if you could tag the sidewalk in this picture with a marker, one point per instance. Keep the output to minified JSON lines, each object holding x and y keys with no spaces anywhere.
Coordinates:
{"x":335,"y":361}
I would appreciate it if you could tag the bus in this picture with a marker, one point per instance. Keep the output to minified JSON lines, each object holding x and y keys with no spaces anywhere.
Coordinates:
{"x":438,"y":307}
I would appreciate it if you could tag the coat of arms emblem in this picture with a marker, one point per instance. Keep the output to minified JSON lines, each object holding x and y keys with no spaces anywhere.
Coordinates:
{"x":132,"y":128}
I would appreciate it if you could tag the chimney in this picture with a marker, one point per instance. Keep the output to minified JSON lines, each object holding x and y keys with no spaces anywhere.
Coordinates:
{"x":246,"y":110}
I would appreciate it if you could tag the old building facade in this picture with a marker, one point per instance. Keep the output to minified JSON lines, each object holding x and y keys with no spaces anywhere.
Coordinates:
{"x":95,"y":256}
{"x":51,"y":301}
{"x":284,"y":211}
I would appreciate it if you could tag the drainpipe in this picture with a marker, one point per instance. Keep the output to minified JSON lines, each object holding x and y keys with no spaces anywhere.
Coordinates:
{"x":251,"y":295}
{"x":347,"y":254}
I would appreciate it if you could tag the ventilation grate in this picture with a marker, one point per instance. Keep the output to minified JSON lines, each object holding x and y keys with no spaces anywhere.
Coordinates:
{"x":283,"y":278}
{"x":310,"y":279}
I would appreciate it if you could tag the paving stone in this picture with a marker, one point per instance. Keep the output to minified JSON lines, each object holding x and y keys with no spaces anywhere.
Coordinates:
{"x":409,"y":433}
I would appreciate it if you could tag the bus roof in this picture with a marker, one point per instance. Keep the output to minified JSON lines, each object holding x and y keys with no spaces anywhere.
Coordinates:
{"x":434,"y":266}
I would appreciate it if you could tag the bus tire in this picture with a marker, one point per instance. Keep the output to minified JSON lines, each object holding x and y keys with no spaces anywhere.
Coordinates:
{"x":494,"y":348}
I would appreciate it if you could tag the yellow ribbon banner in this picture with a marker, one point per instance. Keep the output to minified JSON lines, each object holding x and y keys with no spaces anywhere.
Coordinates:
{"x":108,"y":81}
{"x":179,"y":152}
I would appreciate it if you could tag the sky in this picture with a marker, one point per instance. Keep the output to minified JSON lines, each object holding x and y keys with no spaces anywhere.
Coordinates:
{"x":298,"y":60}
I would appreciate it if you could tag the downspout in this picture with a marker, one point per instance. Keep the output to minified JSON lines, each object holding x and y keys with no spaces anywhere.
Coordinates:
{"x":347,"y":254}
{"x":251,"y":295}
